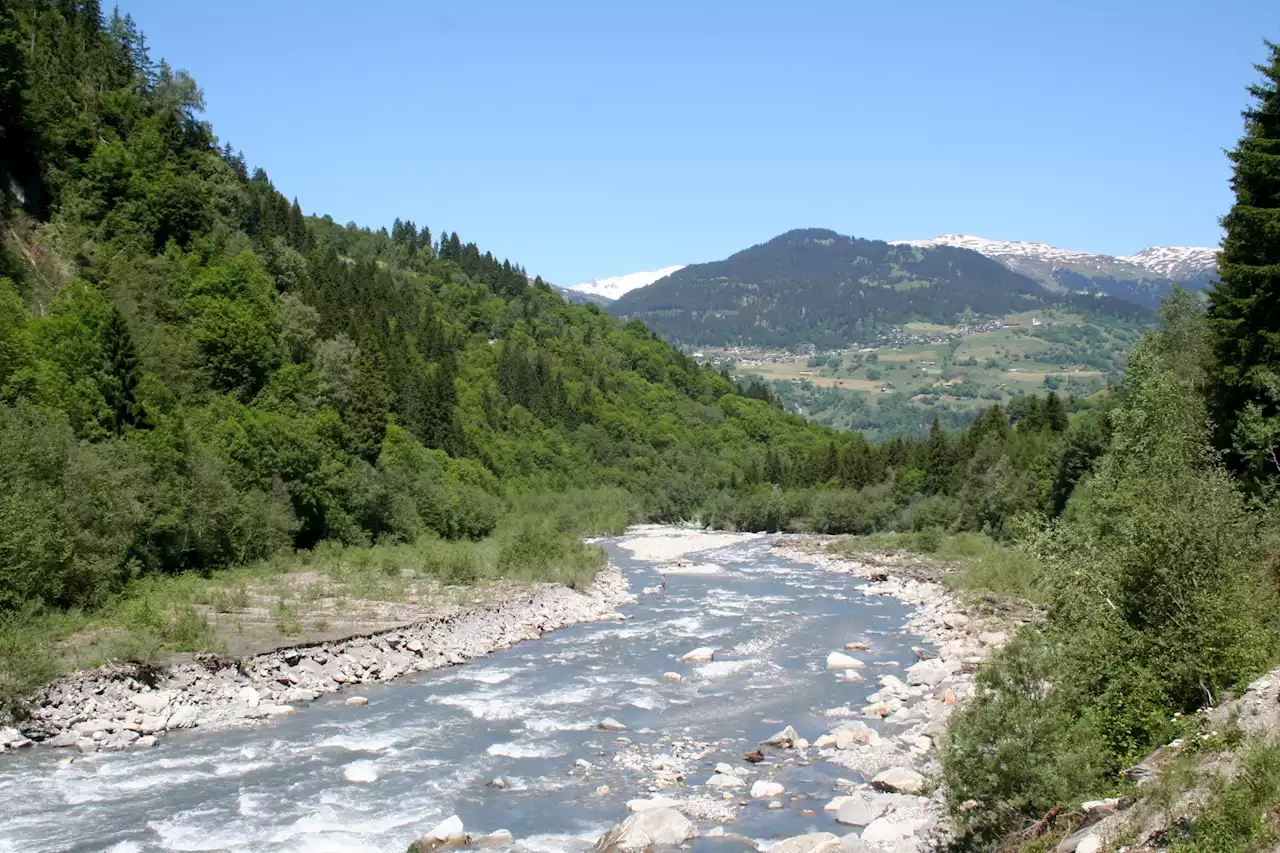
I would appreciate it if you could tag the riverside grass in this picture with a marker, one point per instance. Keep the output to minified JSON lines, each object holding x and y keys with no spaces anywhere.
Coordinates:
{"x":539,"y":540}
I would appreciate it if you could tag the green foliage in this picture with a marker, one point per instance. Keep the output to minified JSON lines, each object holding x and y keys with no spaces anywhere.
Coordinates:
{"x":1240,"y":815}
{"x":1245,"y":329}
{"x":1158,"y":605}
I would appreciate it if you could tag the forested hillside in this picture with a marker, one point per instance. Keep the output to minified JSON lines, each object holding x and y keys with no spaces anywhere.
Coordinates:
{"x":814,"y":286}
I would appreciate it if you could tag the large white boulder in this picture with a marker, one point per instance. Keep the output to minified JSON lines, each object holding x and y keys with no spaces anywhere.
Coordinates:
{"x":885,"y":831}
{"x":646,"y":829}
{"x":765,"y":790}
{"x":724,"y":780}
{"x":815,"y":842}
{"x":447,"y":835}
{"x":705,"y":654}
{"x":856,"y":811}
{"x":899,"y":780}
{"x":839,"y":660}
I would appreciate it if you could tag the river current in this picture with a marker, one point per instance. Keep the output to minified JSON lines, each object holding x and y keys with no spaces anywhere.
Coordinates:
{"x":334,"y":779}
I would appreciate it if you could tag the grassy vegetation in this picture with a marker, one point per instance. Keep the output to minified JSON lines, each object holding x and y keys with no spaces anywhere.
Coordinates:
{"x":290,"y":598}
{"x":865,"y":388}
{"x":1243,"y":812}
{"x":983,"y":565}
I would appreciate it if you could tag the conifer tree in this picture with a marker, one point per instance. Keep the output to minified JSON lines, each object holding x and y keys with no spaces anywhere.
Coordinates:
{"x":1055,"y":413}
{"x":1243,"y":317}
{"x":365,"y":420}
{"x":122,"y":367}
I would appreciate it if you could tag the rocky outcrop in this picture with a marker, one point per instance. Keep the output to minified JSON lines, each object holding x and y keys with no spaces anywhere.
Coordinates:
{"x":118,"y":707}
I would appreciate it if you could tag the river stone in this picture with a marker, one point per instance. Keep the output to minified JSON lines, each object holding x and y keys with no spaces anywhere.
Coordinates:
{"x":993,"y":638}
{"x":762,"y":789}
{"x":152,"y":703}
{"x":249,"y":696}
{"x":62,"y":740}
{"x":955,"y":620}
{"x":609,"y":724}
{"x":646,"y":829}
{"x":704,"y":654}
{"x":356,"y":701}
{"x":152,"y":723}
{"x":856,"y":811}
{"x":86,"y":744}
{"x":184,"y":717}
{"x":145,"y":742}
{"x":448,"y":834}
{"x":784,"y":739}
{"x":885,"y":831}
{"x":838,"y":660}
{"x":851,"y":843}
{"x":898,"y":780}
{"x":672,"y":676}
{"x":13,"y":739}
{"x":648,"y":805}
{"x":825,"y":741}
{"x":816,"y":842}
{"x":724,"y":780}
{"x":497,"y":838}
{"x":856,"y":647}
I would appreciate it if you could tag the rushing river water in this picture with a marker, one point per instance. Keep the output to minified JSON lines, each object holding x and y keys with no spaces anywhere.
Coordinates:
{"x":372,"y":779}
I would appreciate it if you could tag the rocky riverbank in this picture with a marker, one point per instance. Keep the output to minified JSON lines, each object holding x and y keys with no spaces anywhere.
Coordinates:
{"x":131,"y":706}
{"x":885,"y":741}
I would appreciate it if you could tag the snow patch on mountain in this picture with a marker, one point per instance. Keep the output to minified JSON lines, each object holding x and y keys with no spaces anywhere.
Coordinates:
{"x":614,"y":287}
{"x":1040,"y":260}
{"x":1176,"y":262}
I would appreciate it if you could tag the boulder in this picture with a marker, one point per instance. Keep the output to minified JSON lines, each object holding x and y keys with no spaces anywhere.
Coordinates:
{"x":153,"y":702}
{"x":854,"y":734}
{"x":993,"y":638}
{"x":609,"y":724}
{"x":705,"y":654}
{"x":497,"y":838}
{"x":185,"y":717}
{"x":851,"y":843}
{"x":955,"y":620}
{"x":724,"y":780}
{"x":152,"y":723}
{"x":825,"y":741}
{"x":784,"y":739}
{"x":447,"y":835}
{"x":838,"y":660}
{"x":816,"y":842}
{"x":13,"y":739}
{"x":856,"y":647}
{"x":856,"y":811}
{"x":497,"y":782}
{"x":249,"y":696}
{"x":763,"y":790}
{"x":1089,"y":844}
{"x":672,"y":676}
{"x":145,"y":742}
{"x":355,"y":701}
{"x":647,"y":828}
{"x":898,"y":780}
{"x":885,"y":831}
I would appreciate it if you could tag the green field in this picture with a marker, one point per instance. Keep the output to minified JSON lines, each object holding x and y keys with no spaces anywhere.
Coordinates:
{"x":892,"y":391}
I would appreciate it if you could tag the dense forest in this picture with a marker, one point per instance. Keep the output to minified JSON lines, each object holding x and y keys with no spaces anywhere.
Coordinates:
{"x":814,"y":286}
{"x":195,"y":375}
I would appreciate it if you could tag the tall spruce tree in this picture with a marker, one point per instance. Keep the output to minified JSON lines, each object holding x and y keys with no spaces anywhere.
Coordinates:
{"x":122,"y":368}
{"x":1244,"y":306}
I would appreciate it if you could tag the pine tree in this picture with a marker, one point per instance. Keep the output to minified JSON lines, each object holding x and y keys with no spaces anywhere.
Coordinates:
{"x":122,"y":368}
{"x":365,"y":420}
{"x":938,"y":460}
{"x":1244,"y":322}
{"x":1055,"y":413}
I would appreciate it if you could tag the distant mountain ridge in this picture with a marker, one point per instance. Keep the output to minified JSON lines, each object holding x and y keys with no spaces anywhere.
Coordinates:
{"x":1142,"y":278}
{"x":817,"y":286}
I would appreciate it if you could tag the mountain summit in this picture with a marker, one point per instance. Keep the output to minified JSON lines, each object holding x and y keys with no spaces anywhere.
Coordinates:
{"x":1143,"y":278}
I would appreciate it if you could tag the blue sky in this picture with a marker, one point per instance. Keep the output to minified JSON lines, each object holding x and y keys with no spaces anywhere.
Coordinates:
{"x":587,"y":139}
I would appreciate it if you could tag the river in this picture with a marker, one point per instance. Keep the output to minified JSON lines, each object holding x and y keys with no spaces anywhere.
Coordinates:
{"x":372,"y":779}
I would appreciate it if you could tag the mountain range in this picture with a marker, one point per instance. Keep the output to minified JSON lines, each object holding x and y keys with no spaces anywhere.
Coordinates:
{"x":820,"y":287}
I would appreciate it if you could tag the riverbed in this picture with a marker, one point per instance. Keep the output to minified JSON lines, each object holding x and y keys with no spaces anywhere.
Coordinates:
{"x":373,"y":778}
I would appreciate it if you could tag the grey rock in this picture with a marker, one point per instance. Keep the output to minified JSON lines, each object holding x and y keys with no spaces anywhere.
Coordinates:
{"x":815,"y":842}
{"x":647,"y":828}
{"x":899,"y":780}
{"x":856,"y":811}
{"x":784,"y":739}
